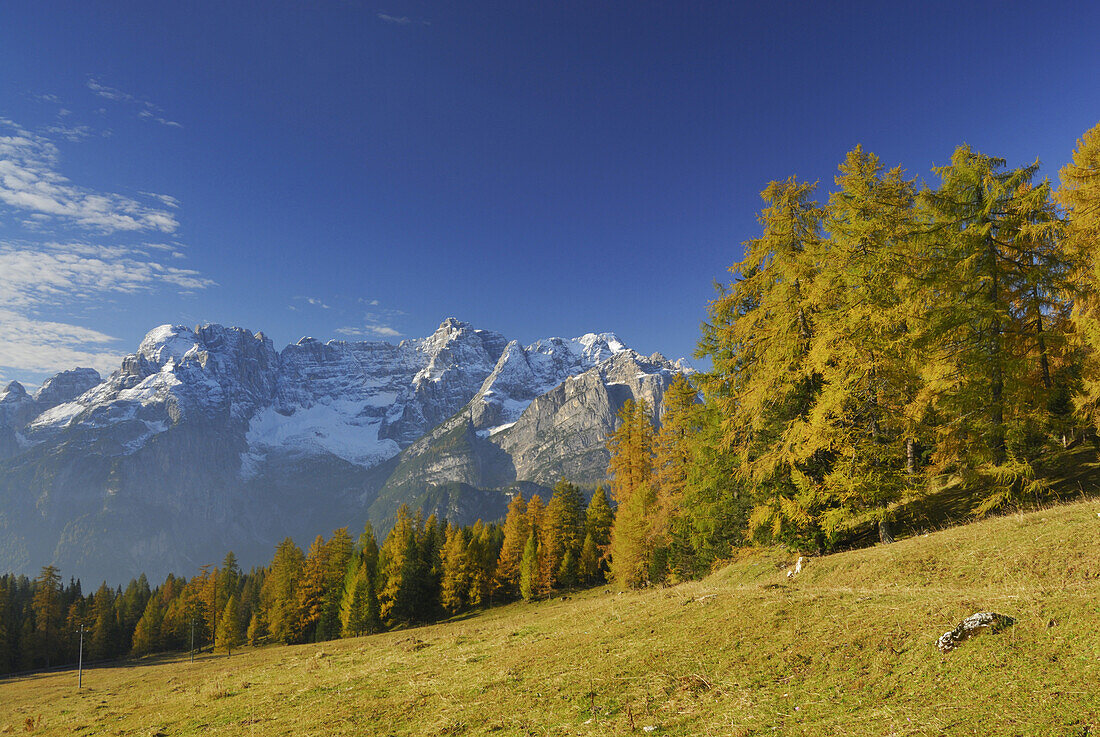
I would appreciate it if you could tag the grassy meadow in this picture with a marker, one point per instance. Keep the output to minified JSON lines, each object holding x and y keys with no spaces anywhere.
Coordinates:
{"x":844,"y":648}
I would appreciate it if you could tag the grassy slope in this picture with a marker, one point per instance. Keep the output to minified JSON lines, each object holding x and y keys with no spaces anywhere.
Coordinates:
{"x":845,"y":648}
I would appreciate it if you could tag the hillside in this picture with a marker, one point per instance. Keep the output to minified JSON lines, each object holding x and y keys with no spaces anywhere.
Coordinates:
{"x":846,"y":647}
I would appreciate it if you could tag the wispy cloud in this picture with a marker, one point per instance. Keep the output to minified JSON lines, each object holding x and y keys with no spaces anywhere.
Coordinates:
{"x":146,"y":110}
{"x":375,"y":325}
{"x":46,"y":280}
{"x":369,"y":331}
{"x":165,"y":199}
{"x":402,"y":20}
{"x":74,"y":133}
{"x":30,"y":180}
{"x":312,"y":302}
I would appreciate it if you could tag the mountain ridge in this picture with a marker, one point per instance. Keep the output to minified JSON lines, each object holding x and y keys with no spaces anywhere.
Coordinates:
{"x":209,"y":439}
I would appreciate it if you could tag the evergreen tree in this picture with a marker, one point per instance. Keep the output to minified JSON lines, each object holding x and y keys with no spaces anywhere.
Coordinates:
{"x":280,"y":591}
{"x":147,"y":633}
{"x":529,"y":567}
{"x":103,"y":643}
{"x":588,"y":567}
{"x":564,"y":532}
{"x":229,"y":580}
{"x":597,"y":525}
{"x":5,"y":637}
{"x":47,"y":610}
{"x":713,"y":512}
{"x":339,"y":551}
{"x":481,"y":555}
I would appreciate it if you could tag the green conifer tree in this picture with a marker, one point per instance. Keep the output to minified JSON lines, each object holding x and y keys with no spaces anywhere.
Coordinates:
{"x":529,"y":568}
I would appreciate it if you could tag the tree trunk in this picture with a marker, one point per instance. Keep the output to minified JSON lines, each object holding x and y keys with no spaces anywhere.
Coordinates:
{"x":910,"y":457}
{"x":884,"y":535}
{"x":1044,"y":362}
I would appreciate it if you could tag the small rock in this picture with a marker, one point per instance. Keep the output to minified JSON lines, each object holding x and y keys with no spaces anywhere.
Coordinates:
{"x":972,"y":625}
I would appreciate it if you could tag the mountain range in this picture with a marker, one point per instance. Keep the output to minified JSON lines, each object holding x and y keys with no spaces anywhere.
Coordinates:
{"x":208,"y":439}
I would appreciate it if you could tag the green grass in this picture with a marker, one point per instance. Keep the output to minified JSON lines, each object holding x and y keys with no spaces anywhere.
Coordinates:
{"x":846,"y":648}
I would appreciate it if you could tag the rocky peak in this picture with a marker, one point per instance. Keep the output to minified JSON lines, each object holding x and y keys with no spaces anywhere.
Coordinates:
{"x":65,"y":387}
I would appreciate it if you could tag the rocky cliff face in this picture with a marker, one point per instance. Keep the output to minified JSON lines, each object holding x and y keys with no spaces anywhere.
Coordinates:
{"x":208,"y":439}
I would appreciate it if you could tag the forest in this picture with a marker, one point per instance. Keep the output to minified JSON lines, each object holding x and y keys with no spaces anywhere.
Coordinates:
{"x":874,"y":344}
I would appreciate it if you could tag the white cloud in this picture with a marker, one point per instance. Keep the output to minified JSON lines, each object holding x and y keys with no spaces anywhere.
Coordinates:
{"x":312,"y":301}
{"x":30,"y":180}
{"x":146,"y":110}
{"x":369,"y":331}
{"x":55,"y":273}
{"x":401,"y":20}
{"x":43,"y":346}
{"x":33,"y":277}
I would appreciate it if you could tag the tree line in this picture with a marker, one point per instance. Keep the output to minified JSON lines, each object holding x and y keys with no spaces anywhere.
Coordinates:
{"x":425,"y":570}
{"x":868,"y":351}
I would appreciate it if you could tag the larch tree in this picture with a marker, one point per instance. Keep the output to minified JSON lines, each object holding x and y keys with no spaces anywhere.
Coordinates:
{"x":867,"y":293}
{"x":992,"y":242}
{"x":631,"y":472}
{"x":1079,"y":195}
{"x":516,"y":532}
{"x":398,"y":569}
{"x":147,"y":634}
{"x":455,"y":589}
{"x":671,"y":460}
{"x":563,"y":534}
{"x":339,"y":551}
{"x":310,"y":595}
{"x":280,"y":590}
{"x":758,"y":337}
{"x":229,"y":626}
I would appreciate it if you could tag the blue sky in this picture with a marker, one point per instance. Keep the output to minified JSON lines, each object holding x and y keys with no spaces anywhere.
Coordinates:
{"x":363,"y":170}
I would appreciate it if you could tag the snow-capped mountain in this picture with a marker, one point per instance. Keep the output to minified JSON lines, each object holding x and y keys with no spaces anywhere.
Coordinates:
{"x":208,"y":439}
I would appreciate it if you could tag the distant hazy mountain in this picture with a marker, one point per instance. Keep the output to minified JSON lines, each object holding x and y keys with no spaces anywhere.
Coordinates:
{"x":208,"y":440}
